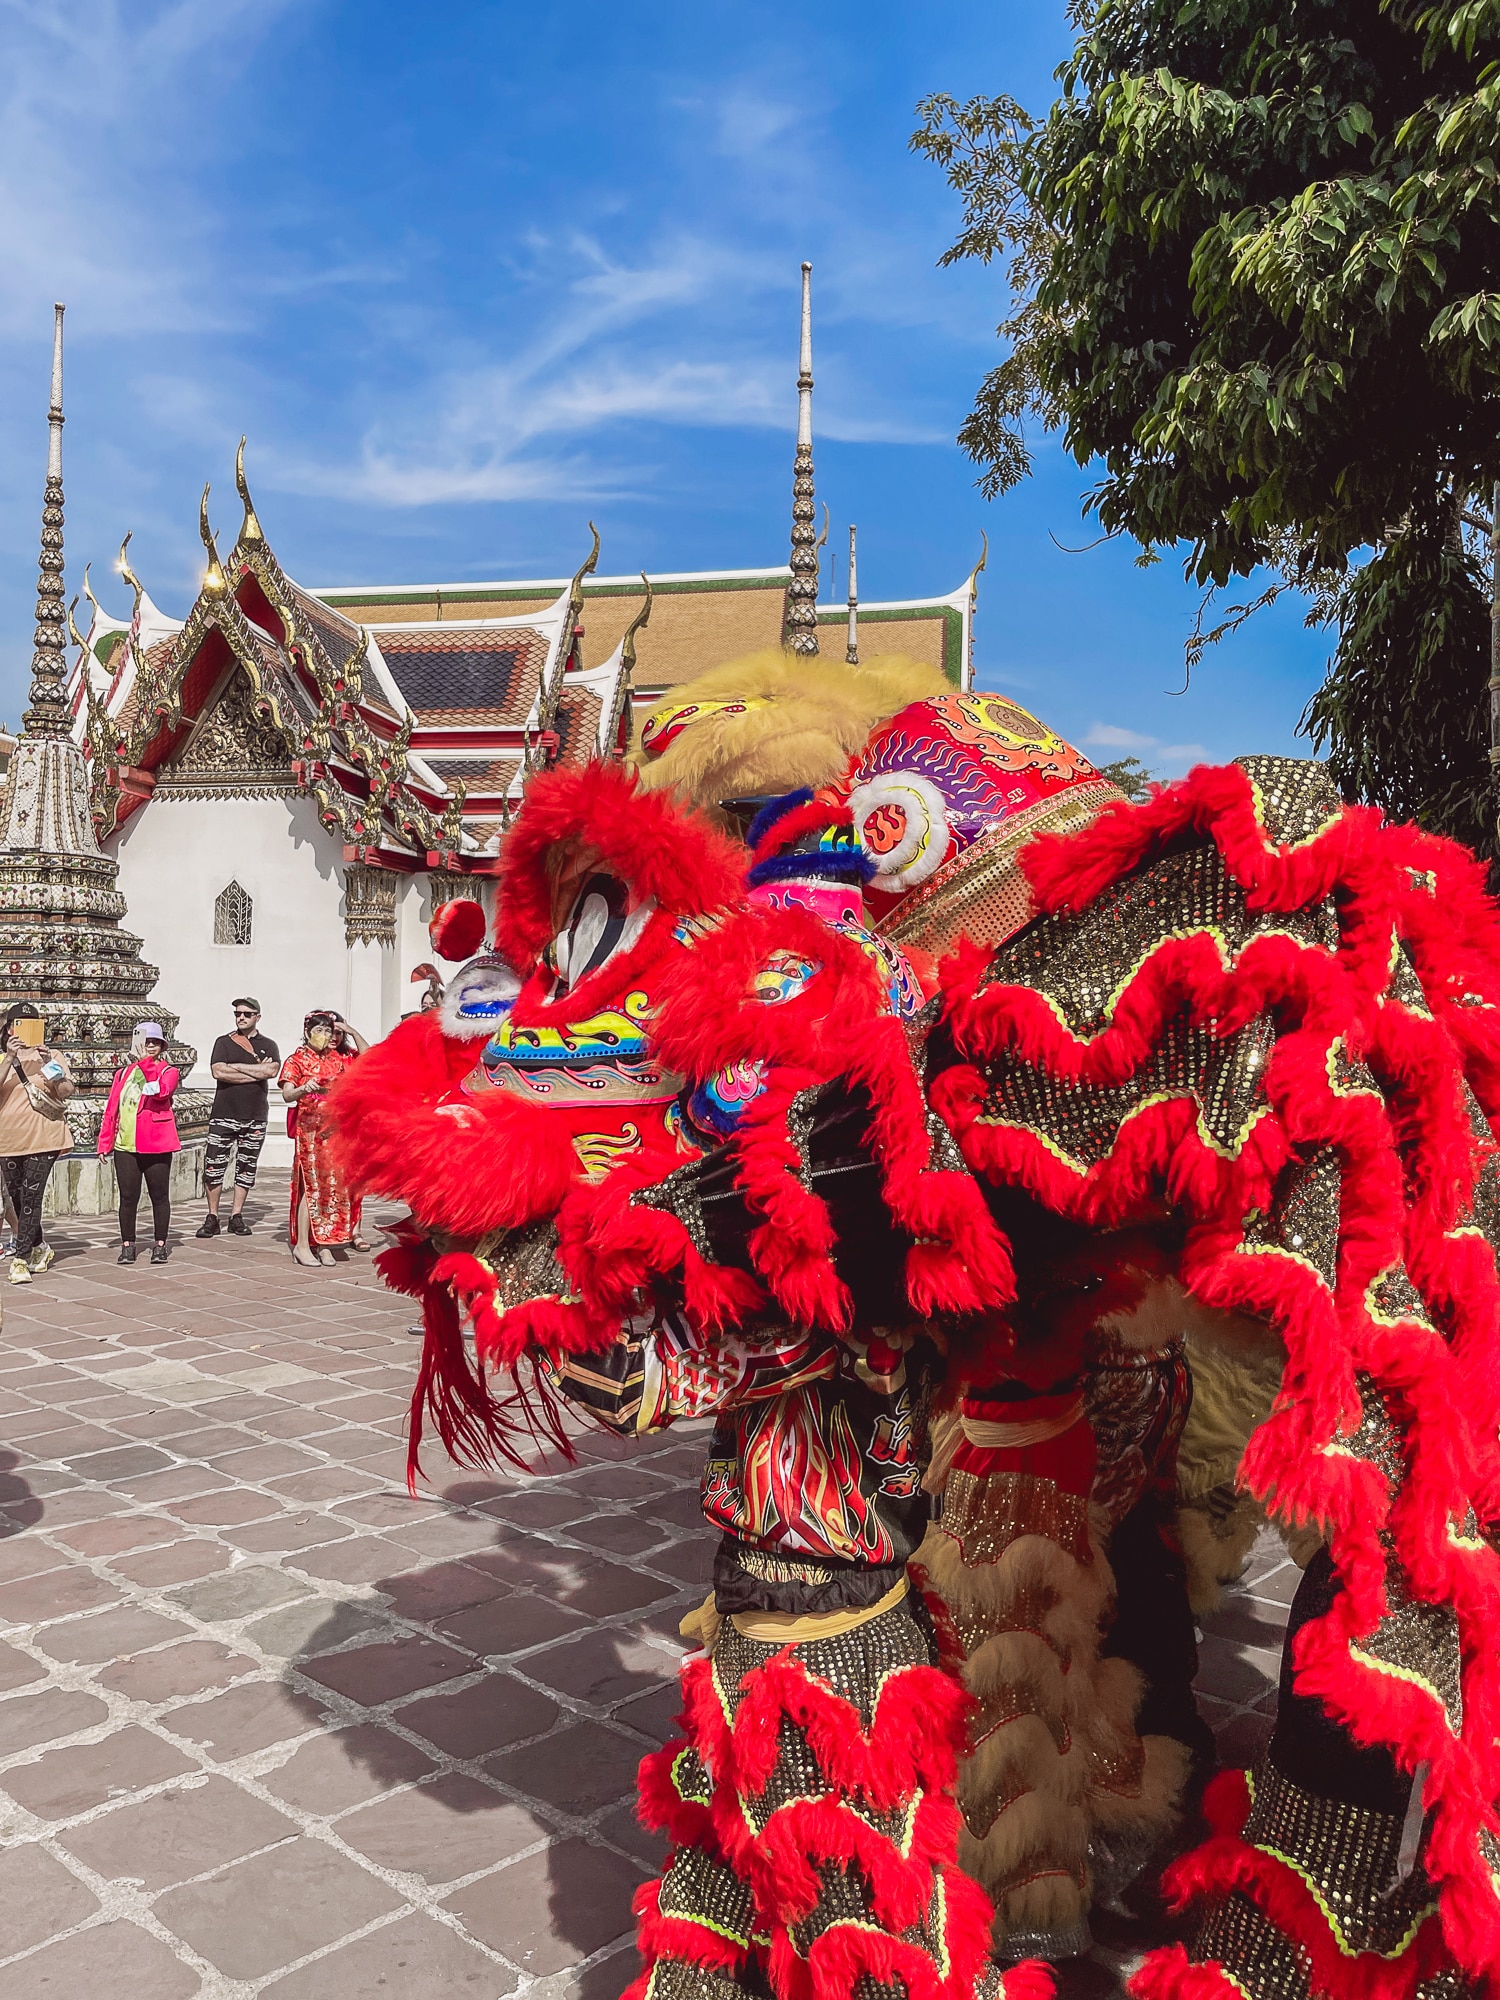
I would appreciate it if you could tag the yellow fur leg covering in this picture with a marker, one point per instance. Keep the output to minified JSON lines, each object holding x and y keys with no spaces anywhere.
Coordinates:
{"x":1055,"y":1755}
{"x":1235,"y":1380}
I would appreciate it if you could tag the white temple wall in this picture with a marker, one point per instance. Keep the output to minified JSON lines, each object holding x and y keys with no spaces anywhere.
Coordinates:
{"x":176,"y":855}
{"x":413,"y":948}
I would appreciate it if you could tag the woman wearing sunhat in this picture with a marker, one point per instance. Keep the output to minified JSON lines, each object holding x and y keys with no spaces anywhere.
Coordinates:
{"x":140,"y":1128}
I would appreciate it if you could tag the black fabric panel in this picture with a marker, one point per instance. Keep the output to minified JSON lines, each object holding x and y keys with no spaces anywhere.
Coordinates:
{"x":1153,"y":1626}
{"x":1308,"y":1746}
{"x":870,"y":1252}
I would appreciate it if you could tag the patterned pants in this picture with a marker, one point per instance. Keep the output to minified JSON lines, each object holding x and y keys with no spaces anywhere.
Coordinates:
{"x":811,"y":1812}
{"x":243,"y":1137}
{"x":25,"y":1184}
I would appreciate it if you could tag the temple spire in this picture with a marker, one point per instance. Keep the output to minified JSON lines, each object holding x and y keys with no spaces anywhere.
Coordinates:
{"x":250,"y":530}
{"x":802,"y":593}
{"x":47,"y":713}
{"x":851,"y":651}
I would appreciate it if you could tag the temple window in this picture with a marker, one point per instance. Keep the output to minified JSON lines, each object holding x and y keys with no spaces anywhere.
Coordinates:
{"x":233,"y":914}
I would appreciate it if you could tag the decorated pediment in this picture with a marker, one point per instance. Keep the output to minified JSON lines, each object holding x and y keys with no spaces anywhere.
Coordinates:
{"x":235,"y":750}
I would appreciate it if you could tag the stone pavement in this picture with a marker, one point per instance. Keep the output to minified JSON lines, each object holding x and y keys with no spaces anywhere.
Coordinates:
{"x":269,"y":1725}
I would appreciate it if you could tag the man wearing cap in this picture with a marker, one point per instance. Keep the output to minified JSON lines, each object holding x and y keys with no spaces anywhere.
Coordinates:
{"x":241,"y":1065}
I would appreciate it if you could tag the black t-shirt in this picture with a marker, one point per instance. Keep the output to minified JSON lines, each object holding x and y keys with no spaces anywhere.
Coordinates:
{"x":248,"y":1101}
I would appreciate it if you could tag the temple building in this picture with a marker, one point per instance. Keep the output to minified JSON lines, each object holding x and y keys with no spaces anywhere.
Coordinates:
{"x":292,"y":778}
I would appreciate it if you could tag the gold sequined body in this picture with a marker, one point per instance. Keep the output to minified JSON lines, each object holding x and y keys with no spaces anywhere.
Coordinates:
{"x":1283,"y":1193}
{"x":710,"y":1886}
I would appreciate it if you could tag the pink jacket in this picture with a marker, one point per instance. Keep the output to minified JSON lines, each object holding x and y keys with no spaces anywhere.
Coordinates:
{"x":155,"y":1121}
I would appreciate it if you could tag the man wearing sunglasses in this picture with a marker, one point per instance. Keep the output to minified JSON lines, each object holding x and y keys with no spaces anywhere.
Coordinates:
{"x":242,"y":1065}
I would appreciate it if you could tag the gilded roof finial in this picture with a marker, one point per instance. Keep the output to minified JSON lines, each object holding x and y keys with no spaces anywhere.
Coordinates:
{"x":250,"y":530}
{"x":984,"y":556}
{"x":213,"y":579}
{"x":47,"y":713}
{"x":624,"y":704}
{"x":575,"y":593}
{"x":567,"y":655}
{"x":802,"y":592}
{"x":851,"y":650}
{"x":88,"y":591}
{"x":122,"y":564}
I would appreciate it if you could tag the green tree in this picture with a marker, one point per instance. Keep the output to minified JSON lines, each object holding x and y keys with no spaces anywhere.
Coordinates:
{"x":1132,"y":777}
{"x":1254,"y":258}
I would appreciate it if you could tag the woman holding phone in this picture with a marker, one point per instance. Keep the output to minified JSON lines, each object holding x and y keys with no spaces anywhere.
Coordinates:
{"x":140,"y":1128}
{"x":35,"y":1084}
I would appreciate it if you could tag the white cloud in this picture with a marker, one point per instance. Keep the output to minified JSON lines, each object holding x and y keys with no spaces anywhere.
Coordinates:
{"x":1163,"y":760}
{"x":99,"y":106}
{"x":1109,"y":736}
{"x":610,"y":352}
{"x":753,"y":126}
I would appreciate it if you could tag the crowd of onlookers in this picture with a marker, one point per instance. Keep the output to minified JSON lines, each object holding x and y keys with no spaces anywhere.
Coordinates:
{"x":138,"y":1132}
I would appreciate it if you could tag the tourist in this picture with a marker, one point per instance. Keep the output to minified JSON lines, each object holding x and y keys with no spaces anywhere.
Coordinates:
{"x":33,"y":1131}
{"x":324,"y":1216}
{"x":242,"y":1066}
{"x":140,"y":1128}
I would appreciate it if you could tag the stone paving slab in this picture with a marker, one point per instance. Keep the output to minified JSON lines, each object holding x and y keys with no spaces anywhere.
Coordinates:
{"x":269,"y":1725}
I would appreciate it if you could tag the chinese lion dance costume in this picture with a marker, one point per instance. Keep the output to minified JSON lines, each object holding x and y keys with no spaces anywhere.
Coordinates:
{"x":1039,"y":1192}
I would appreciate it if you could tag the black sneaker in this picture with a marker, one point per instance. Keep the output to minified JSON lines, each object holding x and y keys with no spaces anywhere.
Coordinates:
{"x":238,"y":1226}
{"x":209,"y":1226}
{"x":127,"y":1254}
{"x":158,"y":1253}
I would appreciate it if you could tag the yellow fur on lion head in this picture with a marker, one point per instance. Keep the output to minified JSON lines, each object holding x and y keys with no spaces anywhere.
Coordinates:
{"x":775,"y":722}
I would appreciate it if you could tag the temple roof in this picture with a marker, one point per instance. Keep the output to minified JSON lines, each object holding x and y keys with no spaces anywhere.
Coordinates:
{"x":475,"y":672}
{"x":699,"y":619}
{"x":414,"y":728}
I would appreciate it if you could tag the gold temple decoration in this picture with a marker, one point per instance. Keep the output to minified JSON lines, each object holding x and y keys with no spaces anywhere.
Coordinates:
{"x":213,"y":582}
{"x":984,"y":557}
{"x":624,"y":706}
{"x":250,"y":530}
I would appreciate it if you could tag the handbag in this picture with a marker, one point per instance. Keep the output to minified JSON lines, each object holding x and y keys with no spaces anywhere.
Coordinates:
{"x":38,"y":1095}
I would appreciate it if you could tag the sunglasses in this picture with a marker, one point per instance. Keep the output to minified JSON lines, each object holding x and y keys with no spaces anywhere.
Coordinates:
{"x":244,"y":1014}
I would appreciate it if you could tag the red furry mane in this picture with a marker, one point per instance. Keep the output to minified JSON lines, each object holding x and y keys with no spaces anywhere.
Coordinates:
{"x":667,"y":853}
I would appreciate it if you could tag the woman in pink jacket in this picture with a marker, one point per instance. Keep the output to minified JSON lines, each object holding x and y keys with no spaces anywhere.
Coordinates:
{"x":140,"y":1129}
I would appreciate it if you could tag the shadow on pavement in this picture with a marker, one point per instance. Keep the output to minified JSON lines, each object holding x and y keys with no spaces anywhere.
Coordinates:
{"x":536,"y":1722}
{"x":20,"y":1508}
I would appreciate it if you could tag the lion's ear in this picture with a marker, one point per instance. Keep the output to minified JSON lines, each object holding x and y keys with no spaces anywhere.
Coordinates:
{"x":457,"y":930}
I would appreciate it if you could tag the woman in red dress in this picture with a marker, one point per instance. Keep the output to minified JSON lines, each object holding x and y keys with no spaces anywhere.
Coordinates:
{"x":324,"y":1216}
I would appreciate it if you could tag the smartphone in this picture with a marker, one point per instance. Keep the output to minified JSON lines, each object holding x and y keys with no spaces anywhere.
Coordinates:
{"x":29,"y":1032}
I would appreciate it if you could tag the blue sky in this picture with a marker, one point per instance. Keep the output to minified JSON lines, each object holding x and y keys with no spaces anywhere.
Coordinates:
{"x":470,"y":273}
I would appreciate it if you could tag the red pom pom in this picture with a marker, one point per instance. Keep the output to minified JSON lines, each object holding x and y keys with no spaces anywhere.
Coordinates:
{"x":457,"y":930}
